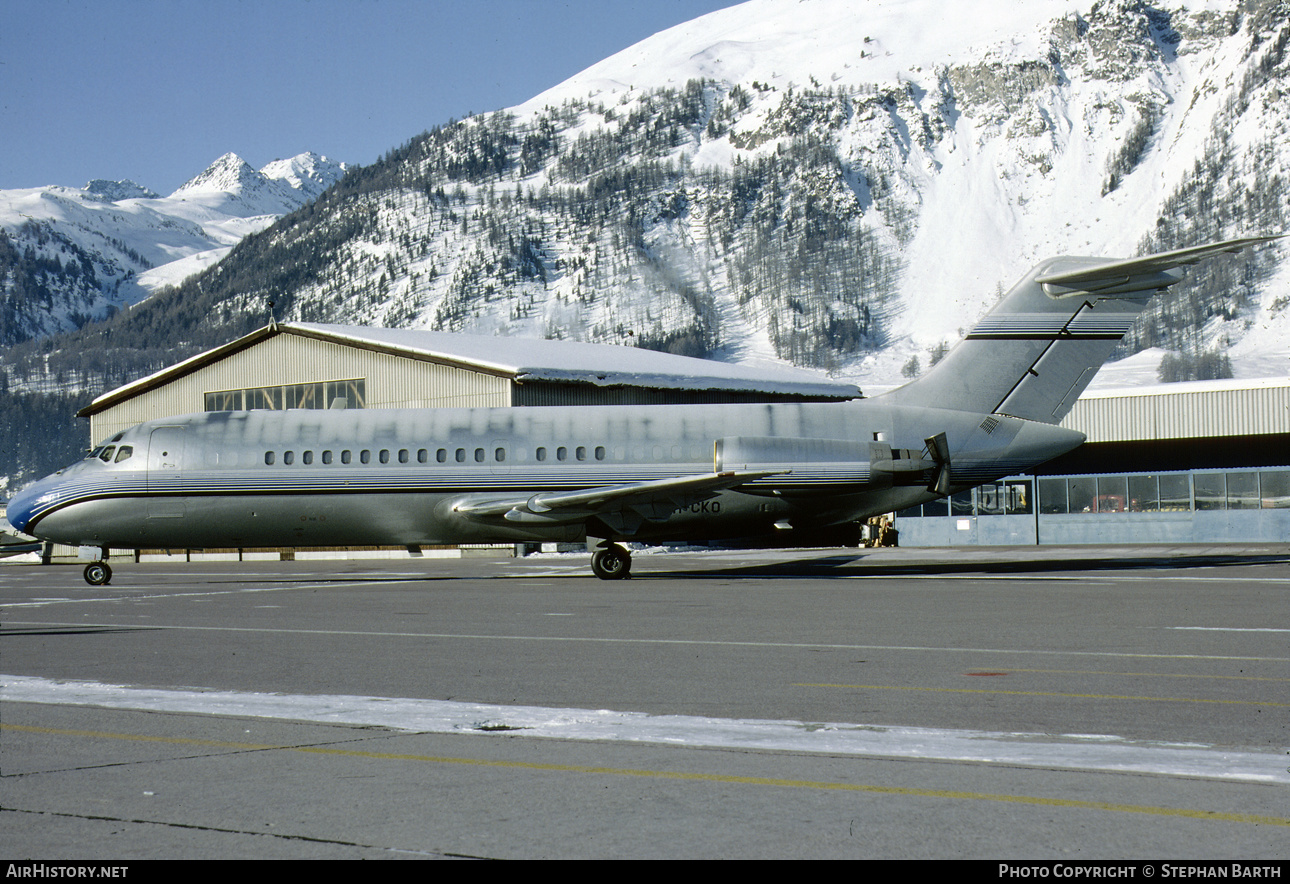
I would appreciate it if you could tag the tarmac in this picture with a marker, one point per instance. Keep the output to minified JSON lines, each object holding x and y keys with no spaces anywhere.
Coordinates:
{"x":1042,"y":704}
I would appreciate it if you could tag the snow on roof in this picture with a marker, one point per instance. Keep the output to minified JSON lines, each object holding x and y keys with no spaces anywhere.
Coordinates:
{"x":526,"y":360}
{"x":604,"y":365}
{"x":1174,"y":389}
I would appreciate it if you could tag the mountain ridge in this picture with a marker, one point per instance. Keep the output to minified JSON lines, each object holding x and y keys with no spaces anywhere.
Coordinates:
{"x":124,"y":241}
{"x":852,"y":195}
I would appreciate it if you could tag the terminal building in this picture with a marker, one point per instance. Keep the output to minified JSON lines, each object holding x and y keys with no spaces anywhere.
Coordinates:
{"x":1203,"y":462}
{"x":1174,"y":463}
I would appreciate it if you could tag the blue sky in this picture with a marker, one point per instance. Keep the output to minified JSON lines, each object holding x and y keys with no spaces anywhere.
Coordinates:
{"x":155,"y":90}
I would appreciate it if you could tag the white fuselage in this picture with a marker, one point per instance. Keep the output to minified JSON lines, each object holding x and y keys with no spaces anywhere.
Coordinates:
{"x":400,"y":477}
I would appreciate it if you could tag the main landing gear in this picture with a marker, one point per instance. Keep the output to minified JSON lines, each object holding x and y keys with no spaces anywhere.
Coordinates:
{"x":98,"y":574}
{"x":611,"y":562}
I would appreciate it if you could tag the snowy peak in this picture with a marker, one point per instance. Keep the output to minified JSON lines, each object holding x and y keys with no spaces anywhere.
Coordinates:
{"x":823,"y":42}
{"x":114,"y":191}
{"x":280,"y":187}
{"x":308,"y":173}
{"x":230,"y":173}
{"x":112,"y":243}
{"x":306,"y":176}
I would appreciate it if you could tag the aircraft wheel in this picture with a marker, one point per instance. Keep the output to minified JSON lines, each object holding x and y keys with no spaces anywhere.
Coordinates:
{"x":612,"y":563}
{"x":98,"y":574}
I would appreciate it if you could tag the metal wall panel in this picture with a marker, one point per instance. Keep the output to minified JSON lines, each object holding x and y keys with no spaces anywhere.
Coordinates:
{"x":1187,"y":413}
{"x":392,"y":382}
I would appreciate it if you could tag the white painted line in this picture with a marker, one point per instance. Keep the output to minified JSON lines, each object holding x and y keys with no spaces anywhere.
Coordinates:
{"x":1227,"y":628}
{"x":606,"y":640}
{"x":1062,"y":751}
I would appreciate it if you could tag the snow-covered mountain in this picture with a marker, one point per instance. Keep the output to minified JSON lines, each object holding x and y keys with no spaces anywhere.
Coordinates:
{"x":69,"y":255}
{"x":845,"y":184}
{"x":1007,"y":133}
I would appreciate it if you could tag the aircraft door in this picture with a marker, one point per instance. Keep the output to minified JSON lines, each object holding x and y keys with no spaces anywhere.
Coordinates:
{"x":165,"y":472}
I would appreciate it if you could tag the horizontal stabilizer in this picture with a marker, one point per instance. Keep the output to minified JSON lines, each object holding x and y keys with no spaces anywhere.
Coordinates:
{"x":1136,"y":275}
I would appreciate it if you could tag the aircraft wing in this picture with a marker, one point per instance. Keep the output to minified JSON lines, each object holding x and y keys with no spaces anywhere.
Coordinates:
{"x":11,"y":544}
{"x":1134,"y":275}
{"x":625,"y":505}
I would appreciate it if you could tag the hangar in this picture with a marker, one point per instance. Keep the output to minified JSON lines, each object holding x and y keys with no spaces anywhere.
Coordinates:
{"x":301,"y":365}
{"x":1206,"y":461}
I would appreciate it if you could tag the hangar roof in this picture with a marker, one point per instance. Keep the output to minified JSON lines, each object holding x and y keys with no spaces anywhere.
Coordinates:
{"x":1192,"y":410}
{"x":530,"y":359}
{"x":523,"y":360}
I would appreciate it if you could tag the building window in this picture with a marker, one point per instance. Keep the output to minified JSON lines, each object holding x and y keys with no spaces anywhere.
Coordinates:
{"x":1211,"y":491}
{"x":1112,"y":495}
{"x":1175,"y":492}
{"x":1274,"y":489}
{"x":1143,"y":494}
{"x":1243,"y":491}
{"x":324,"y":394}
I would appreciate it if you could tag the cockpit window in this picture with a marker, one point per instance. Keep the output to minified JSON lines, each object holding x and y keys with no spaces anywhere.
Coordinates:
{"x":124,"y":453}
{"x":106,"y":456}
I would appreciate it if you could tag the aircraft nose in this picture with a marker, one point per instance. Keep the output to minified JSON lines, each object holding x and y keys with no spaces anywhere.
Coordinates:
{"x":18,"y":511}
{"x":24,"y":506}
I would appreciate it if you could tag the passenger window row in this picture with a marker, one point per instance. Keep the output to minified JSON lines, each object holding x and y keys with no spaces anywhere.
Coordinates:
{"x":423,"y":455}
{"x":579,"y":453}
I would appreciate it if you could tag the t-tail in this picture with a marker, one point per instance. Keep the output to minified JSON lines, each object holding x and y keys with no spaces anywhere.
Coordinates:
{"x":1034,"y":354}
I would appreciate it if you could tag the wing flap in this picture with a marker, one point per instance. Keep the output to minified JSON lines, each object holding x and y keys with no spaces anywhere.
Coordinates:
{"x":566,"y":506}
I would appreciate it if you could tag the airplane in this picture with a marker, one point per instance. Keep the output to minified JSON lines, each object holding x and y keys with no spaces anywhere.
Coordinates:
{"x":607,"y":475}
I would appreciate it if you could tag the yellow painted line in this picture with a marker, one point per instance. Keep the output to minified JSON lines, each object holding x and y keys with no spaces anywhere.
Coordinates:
{"x":1141,"y":674}
{"x":1030,"y":800}
{"x":901,"y":687}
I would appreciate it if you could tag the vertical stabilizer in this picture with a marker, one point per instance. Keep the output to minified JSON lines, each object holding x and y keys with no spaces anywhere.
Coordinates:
{"x":1035,"y":352}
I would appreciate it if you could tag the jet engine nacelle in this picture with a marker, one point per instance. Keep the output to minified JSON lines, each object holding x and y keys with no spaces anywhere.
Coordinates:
{"x":871,"y":465}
